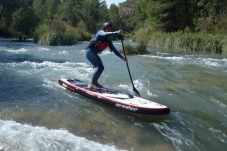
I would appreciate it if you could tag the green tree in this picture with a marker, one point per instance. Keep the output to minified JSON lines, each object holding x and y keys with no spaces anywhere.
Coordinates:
{"x":177,"y":15}
{"x":24,"y":21}
{"x":127,"y":14}
{"x":49,"y":10}
{"x":147,"y":13}
{"x":69,"y":11}
{"x":7,"y":8}
{"x":89,"y":13}
{"x":103,"y":13}
{"x":210,"y":14}
{"x":38,"y":7}
{"x":114,"y":16}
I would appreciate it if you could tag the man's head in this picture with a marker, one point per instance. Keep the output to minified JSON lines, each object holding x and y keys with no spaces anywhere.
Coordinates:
{"x":107,"y":26}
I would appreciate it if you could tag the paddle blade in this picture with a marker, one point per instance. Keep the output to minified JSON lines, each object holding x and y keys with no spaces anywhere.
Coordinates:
{"x":135,"y":90}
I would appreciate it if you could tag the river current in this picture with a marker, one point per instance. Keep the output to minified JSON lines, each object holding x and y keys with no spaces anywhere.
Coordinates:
{"x":37,"y":114}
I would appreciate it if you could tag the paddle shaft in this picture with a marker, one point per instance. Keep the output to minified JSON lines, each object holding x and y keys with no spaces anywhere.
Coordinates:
{"x":129,"y":69}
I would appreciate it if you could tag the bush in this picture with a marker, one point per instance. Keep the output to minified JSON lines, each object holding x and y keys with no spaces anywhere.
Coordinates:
{"x":139,"y":49}
{"x":59,"y":33}
{"x":24,"y":21}
{"x":188,"y":41}
{"x":142,"y":49}
{"x":54,"y":38}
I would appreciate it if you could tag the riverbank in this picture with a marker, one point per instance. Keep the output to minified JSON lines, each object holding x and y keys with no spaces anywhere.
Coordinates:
{"x":176,"y":41}
{"x":183,"y":41}
{"x":17,"y":40}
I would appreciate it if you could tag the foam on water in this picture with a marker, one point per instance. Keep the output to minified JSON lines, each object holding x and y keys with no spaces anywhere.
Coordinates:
{"x":213,"y":62}
{"x":176,"y":137}
{"x":63,"y":53}
{"x":66,"y":66}
{"x":16,"y":136}
{"x":218,"y":134}
{"x":191,"y":59}
{"x":43,"y":49}
{"x":17,"y":51}
{"x":144,"y":86}
{"x":141,"y":86}
{"x":106,"y":52}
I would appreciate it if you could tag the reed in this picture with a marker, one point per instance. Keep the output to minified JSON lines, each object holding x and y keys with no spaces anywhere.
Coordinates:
{"x":138,"y":49}
{"x":188,"y":41}
{"x":54,"y":38}
{"x":59,"y":33}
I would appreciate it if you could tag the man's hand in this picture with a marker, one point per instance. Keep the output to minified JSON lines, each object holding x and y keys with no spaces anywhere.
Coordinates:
{"x":120,"y":32}
{"x":125,"y":60}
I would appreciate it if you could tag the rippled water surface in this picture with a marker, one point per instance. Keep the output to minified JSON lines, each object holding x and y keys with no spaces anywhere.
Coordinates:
{"x":38,"y":114}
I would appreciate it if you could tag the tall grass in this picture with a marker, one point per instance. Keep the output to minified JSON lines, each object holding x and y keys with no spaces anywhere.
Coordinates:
{"x":59,"y":33}
{"x":139,"y":49}
{"x":55,"y":38}
{"x":195,"y":42}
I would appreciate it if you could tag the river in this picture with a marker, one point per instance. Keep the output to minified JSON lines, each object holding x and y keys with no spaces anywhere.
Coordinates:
{"x":37,"y":114}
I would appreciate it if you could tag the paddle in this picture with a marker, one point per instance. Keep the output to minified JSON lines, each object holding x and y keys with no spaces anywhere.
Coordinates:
{"x":134,"y":89}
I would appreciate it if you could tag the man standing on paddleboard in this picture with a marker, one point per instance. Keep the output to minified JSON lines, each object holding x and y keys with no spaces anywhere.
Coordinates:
{"x":98,"y":43}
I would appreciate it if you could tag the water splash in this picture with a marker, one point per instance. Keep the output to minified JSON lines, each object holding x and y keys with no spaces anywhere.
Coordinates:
{"x":16,"y":136}
{"x":175,"y":136}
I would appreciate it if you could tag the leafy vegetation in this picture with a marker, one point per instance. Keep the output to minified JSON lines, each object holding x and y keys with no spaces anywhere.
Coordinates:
{"x":179,"y":24}
{"x":193,"y":42}
{"x":59,"y":33}
{"x":138,"y":49}
{"x":186,"y":25}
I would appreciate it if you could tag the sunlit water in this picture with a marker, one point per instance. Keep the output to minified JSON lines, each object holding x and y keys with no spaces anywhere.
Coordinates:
{"x":36,"y":114}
